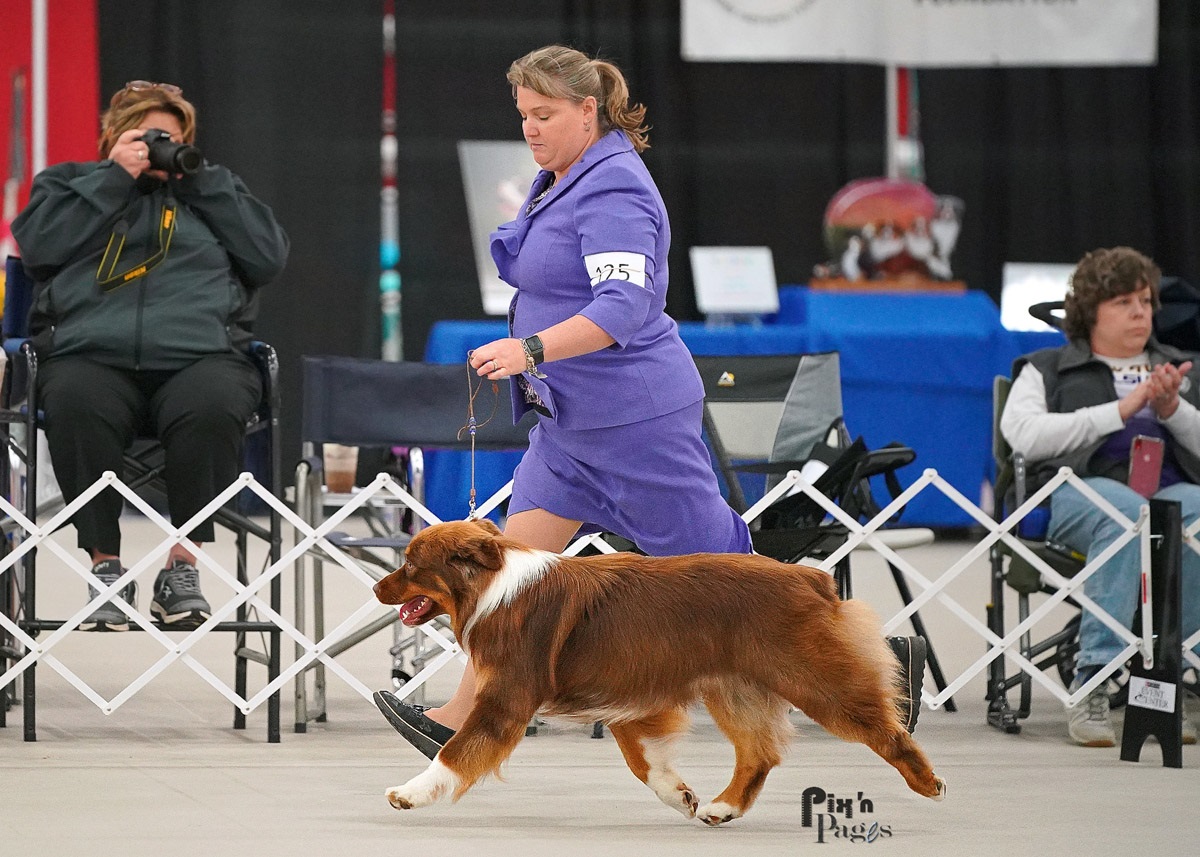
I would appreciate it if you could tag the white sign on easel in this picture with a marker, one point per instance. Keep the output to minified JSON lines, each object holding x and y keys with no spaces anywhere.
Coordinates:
{"x":734,"y":281}
{"x":496,"y":175}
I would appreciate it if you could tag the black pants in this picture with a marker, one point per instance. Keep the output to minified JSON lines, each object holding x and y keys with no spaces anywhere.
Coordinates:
{"x":94,"y":412}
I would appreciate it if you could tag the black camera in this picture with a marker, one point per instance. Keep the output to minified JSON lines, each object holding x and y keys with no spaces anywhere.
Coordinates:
{"x":172,"y":157}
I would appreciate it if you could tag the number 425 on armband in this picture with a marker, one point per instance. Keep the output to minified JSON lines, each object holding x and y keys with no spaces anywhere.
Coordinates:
{"x":617,"y":266}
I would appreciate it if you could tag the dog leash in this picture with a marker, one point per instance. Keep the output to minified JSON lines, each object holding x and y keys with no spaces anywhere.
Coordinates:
{"x":472,"y":426}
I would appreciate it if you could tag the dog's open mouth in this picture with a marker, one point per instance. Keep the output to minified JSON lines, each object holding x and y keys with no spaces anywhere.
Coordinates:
{"x":418,"y":611}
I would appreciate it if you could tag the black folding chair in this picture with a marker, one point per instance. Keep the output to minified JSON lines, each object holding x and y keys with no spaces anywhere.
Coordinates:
{"x":374,"y":403}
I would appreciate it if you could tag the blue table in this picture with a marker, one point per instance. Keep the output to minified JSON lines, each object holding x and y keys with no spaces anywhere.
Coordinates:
{"x":916,"y":368}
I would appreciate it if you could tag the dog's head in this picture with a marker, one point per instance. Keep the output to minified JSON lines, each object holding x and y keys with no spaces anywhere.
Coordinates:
{"x":446,"y":567}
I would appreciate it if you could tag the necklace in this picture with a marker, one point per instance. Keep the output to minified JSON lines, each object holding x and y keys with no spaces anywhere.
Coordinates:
{"x":533,"y":203}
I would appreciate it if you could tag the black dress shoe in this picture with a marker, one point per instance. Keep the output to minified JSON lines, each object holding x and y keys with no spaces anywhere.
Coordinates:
{"x":425,"y":734}
{"x":910,"y":652}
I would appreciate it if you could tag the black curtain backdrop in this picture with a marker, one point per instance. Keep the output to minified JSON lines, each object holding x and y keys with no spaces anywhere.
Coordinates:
{"x":1050,"y":162}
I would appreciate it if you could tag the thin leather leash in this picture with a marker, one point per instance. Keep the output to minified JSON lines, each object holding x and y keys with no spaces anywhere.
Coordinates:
{"x":473,"y":426}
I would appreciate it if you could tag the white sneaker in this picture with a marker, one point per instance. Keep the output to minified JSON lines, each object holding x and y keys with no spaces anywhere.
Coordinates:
{"x":1089,"y":724}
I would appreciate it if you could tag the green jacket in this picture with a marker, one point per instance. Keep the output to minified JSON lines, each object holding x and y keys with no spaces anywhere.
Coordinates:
{"x":200,"y":299}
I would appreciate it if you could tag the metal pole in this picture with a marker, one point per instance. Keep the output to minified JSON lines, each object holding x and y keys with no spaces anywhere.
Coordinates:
{"x":891,"y":133}
{"x":389,"y":227}
{"x":38,"y":93}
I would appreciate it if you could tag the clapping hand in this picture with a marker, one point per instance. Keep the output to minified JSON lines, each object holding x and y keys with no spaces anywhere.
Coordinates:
{"x":1164,"y":386}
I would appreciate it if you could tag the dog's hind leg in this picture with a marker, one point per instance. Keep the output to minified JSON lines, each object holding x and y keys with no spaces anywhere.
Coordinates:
{"x":848,"y":685}
{"x":873,"y":725}
{"x":756,"y":723}
{"x":648,"y":745}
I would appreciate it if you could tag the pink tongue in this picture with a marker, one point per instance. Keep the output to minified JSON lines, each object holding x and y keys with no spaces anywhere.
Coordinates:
{"x":414,"y":609}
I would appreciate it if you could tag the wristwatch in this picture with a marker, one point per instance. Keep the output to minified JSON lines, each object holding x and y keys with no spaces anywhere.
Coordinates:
{"x":535,"y":354}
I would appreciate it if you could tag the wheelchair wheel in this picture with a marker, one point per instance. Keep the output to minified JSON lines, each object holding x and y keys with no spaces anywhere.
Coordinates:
{"x":1067,"y":655}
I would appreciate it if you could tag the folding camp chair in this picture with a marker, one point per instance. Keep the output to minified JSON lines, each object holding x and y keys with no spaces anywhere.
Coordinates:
{"x":1176,"y":323}
{"x":1009,"y":569}
{"x":20,"y":419}
{"x":374,"y":403}
{"x":767,"y":415}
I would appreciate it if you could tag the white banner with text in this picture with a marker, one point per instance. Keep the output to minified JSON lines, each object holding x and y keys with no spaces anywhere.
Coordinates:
{"x":923,"y":33}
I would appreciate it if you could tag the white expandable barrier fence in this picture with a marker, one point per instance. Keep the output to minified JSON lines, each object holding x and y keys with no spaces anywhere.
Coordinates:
{"x":312,"y":538}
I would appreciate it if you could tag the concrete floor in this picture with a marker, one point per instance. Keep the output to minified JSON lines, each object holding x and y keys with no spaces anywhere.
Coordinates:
{"x":165,"y":773}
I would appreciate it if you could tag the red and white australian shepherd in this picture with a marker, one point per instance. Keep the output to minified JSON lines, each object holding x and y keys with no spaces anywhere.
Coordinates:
{"x":632,"y":641}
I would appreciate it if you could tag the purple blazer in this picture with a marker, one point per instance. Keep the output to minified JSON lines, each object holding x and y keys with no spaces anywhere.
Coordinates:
{"x":597,"y":246}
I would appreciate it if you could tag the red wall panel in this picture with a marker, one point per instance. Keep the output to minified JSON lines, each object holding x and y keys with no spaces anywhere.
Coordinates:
{"x":72,"y":97}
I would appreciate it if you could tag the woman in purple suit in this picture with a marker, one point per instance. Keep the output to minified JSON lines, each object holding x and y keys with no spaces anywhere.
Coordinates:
{"x":618,"y":441}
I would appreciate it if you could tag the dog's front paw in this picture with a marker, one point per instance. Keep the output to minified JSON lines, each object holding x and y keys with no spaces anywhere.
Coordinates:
{"x":681,"y":799}
{"x":401,"y":797}
{"x":423,"y":789}
{"x":673,"y":791}
{"x":717,"y":813}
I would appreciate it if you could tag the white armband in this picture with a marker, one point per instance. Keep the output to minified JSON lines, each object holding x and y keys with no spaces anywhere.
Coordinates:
{"x":616,"y":266}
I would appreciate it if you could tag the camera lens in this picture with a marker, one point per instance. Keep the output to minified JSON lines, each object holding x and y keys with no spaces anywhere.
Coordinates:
{"x":187,"y":159}
{"x":169,"y":156}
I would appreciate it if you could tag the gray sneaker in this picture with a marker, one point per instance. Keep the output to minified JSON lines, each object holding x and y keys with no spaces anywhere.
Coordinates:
{"x":1089,"y":724}
{"x":108,"y":616}
{"x":178,"y":603}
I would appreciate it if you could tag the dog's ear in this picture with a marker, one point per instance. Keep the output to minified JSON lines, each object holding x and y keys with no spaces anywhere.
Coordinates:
{"x":487,"y":526}
{"x":481,"y":549}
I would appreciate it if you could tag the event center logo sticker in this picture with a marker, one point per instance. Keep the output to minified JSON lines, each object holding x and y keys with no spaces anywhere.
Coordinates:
{"x":841,"y":819}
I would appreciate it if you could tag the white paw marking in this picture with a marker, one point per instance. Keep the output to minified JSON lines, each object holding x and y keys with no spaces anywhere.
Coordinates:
{"x":662,"y":777}
{"x":427,"y":787}
{"x":941,"y":795}
{"x":717,"y":812}
{"x":678,"y":796}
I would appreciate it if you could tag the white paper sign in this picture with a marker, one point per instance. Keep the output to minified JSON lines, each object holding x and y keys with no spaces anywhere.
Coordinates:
{"x":1155,"y":695}
{"x":947,"y":33}
{"x":734,"y":280}
{"x":496,"y":175}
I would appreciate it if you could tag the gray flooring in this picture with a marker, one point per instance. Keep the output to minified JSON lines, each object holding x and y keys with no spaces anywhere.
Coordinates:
{"x":165,"y":773}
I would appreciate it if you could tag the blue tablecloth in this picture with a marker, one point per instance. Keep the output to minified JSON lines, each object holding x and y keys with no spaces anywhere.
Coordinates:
{"x":916,"y":368}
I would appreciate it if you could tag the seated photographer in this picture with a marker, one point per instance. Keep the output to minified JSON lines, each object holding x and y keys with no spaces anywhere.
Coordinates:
{"x":146,"y":264}
{"x":1081,"y":406}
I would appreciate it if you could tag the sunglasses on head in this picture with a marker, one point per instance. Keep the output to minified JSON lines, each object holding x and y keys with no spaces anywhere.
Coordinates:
{"x":142,"y":85}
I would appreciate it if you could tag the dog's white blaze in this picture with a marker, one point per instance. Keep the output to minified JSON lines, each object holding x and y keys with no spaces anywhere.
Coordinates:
{"x":426,"y":787}
{"x":521,"y":568}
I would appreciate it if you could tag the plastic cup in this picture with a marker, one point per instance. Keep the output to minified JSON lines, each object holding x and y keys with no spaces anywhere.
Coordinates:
{"x":341,"y":465}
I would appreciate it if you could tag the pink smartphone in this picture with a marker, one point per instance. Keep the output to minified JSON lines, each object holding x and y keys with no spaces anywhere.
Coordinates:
{"x":1145,"y":464}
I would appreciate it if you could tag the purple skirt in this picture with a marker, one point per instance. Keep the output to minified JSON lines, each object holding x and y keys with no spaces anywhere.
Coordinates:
{"x":649,"y":481}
